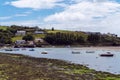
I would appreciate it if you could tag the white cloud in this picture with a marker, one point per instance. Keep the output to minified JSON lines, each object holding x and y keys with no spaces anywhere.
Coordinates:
{"x":36,"y":4}
{"x":111,"y":24}
{"x":76,"y":1}
{"x":89,"y":15}
{"x":85,"y":11}
{"x":23,"y":14}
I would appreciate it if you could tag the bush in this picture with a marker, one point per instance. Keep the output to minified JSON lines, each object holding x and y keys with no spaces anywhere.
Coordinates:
{"x":28,"y":38}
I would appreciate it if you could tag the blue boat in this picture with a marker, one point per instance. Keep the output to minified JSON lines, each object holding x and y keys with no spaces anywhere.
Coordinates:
{"x":31,"y":49}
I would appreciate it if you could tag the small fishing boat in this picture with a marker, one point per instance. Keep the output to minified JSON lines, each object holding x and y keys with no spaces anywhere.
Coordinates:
{"x":68,"y":46}
{"x":75,"y":52}
{"x":90,"y":51}
{"x":31,"y":49}
{"x":44,"y":52}
{"x":15,"y":49}
{"x":23,"y":49}
{"x":9,"y":49}
{"x":108,"y":54}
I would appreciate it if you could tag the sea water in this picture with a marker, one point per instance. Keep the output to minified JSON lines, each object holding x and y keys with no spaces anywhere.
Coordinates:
{"x":91,"y":60}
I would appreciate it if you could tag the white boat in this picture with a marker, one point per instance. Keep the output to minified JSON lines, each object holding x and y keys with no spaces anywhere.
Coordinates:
{"x":75,"y":52}
{"x":68,"y":46}
{"x":44,"y":52}
{"x":23,"y":49}
{"x":90,"y":51}
{"x":15,"y":49}
{"x":9,"y":49}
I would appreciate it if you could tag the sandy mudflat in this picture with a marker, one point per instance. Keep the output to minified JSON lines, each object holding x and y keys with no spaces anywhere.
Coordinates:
{"x":19,"y":67}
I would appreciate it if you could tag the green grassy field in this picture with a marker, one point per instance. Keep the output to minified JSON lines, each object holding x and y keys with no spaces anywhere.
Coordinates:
{"x":3,"y":27}
{"x":48,"y":31}
{"x":16,"y":38}
{"x":35,"y":35}
{"x":55,"y":31}
{"x":39,"y":35}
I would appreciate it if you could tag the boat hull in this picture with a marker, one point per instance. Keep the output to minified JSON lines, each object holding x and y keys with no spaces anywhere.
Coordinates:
{"x":106,"y":55}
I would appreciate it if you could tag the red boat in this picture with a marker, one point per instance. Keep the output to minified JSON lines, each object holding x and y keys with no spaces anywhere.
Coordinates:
{"x":108,"y":54}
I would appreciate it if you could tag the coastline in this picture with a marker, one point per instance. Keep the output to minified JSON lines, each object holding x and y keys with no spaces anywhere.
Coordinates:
{"x":20,"y":67}
{"x":100,"y":48}
{"x":86,"y":47}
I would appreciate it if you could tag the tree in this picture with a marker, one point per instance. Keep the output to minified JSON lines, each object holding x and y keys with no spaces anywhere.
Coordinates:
{"x":94,"y":38}
{"x":80,"y":39}
{"x":5,"y":38}
{"x":60,"y":38}
{"x":52,"y":28}
{"x":12,"y":30}
{"x":28,"y":38}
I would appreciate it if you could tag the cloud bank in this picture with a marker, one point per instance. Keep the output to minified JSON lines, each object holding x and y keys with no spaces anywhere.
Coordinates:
{"x":85,"y":11}
{"x":36,"y":4}
{"x":89,"y":15}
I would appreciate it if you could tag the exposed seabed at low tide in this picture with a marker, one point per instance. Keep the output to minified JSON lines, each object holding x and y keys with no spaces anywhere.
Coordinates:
{"x":19,"y":67}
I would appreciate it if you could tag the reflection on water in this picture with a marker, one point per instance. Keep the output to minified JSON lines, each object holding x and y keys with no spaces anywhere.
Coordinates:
{"x":92,"y":60}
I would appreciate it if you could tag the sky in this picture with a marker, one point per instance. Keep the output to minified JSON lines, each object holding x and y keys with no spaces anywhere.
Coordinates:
{"x":78,"y":15}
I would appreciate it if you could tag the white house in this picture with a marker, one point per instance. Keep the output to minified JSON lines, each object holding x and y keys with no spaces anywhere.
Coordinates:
{"x":111,"y":35}
{"x":39,"y":40}
{"x":39,"y":32}
{"x":20,"y":33}
{"x":18,"y":42}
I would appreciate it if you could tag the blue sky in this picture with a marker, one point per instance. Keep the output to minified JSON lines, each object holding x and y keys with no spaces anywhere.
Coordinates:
{"x":86,"y":15}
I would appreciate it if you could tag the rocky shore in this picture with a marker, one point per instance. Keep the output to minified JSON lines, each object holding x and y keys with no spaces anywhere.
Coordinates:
{"x":19,"y":67}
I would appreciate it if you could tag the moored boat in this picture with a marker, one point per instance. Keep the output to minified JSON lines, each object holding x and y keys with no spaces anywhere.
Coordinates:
{"x":75,"y":52}
{"x":23,"y":49}
{"x":9,"y":49}
{"x":44,"y":52}
{"x":108,"y":54}
{"x":15,"y":49}
{"x":90,"y":51}
{"x":31,"y":49}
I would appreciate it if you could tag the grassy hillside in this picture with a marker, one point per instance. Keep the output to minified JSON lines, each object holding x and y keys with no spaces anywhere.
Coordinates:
{"x":55,"y":31}
{"x":50,"y":31}
{"x":35,"y":35}
{"x":3,"y":27}
{"x":39,"y":35}
{"x":16,"y":38}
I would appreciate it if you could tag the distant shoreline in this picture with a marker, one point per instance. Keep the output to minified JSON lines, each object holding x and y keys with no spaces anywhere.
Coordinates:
{"x":83,"y":47}
{"x":100,"y":48}
{"x":78,"y":47}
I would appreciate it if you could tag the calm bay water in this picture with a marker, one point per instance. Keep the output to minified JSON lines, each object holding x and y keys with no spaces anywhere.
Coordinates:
{"x":91,"y":60}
